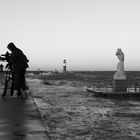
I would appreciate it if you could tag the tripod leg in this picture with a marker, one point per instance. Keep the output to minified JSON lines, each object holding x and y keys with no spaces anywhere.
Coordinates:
{"x":7,"y":78}
{"x":5,"y":88}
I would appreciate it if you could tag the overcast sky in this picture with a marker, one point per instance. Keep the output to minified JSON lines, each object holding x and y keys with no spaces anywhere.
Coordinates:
{"x":86,"y":33}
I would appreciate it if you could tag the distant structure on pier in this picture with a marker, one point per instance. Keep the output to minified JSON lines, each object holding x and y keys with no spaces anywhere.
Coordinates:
{"x":64,"y":66}
{"x":38,"y":71}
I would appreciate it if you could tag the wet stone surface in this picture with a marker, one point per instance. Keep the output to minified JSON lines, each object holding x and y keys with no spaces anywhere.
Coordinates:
{"x":20,"y":119}
{"x":70,"y":113}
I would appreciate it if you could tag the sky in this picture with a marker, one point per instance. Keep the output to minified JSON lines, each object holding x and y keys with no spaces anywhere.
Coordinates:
{"x":86,"y":33}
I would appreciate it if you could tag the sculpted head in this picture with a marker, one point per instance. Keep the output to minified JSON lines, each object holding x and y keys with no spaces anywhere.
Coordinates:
{"x":120,"y":54}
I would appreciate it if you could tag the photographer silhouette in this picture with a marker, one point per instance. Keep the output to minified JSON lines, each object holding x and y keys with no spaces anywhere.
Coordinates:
{"x":18,"y":65}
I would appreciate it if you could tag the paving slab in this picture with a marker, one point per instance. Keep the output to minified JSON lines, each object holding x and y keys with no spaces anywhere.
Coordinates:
{"x":20,"y":120}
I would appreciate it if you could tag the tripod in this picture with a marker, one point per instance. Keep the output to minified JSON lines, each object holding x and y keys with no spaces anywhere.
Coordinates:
{"x":9,"y":84}
{"x":9,"y":80}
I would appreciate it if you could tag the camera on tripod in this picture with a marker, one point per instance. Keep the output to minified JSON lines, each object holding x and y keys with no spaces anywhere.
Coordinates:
{"x":5,"y":57}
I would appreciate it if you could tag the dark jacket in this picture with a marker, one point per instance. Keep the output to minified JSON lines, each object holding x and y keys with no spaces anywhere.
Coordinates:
{"x":18,"y":60}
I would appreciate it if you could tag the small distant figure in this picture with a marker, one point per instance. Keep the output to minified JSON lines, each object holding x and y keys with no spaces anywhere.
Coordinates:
{"x":19,"y":64}
{"x":56,"y":71}
{"x":1,"y":68}
{"x":120,"y":74}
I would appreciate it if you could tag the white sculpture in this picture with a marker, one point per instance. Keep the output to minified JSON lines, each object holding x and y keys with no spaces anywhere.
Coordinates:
{"x":120,"y":74}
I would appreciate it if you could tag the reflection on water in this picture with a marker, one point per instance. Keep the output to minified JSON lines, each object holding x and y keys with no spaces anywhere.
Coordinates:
{"x":70,"y":113}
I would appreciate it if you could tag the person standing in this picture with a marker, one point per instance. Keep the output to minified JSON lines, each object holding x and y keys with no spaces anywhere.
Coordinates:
{"x":19,"y":64}
{"x":1,"y":68}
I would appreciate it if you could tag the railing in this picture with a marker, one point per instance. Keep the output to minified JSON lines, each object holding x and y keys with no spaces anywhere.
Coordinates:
{"x":108,"y":87}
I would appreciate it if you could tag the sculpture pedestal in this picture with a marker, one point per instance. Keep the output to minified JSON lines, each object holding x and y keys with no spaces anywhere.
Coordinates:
{"x":120,"y":85}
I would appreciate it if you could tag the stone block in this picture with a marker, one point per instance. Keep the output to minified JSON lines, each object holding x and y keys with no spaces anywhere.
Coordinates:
{"x":120,"y":86}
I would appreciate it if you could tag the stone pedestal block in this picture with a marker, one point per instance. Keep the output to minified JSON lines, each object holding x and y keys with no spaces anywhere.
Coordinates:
{"x":120,"y":86}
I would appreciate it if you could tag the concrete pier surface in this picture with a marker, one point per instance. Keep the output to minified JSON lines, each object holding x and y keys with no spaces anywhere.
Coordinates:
{"x":20,"y":120}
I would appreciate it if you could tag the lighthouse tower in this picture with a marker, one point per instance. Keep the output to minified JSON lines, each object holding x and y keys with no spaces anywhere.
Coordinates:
{"x":64,"y":66}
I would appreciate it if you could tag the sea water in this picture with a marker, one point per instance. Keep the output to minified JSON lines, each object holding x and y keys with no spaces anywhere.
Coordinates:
{"x":70,"y":113}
